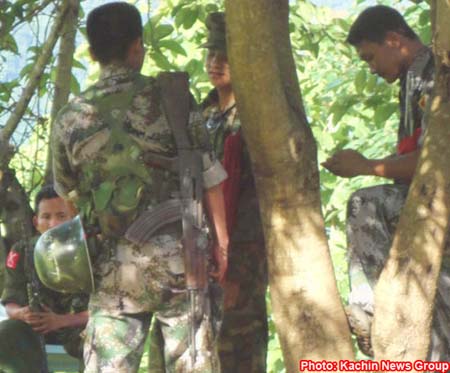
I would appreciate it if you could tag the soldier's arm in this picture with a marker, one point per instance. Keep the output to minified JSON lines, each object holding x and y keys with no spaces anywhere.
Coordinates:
{"x":350,"y":163}
{"x":213,"y":176}
{"x":14,"y":295}
{"x":50,"y":321}
{"x":216,"y":211}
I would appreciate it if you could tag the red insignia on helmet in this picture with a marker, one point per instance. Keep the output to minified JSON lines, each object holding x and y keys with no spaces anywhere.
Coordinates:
{"x":12,"y":259}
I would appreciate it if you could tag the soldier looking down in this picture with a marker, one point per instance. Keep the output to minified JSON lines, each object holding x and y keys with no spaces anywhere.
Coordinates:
{"x":393,"y":51}
{"x":60,"y":317}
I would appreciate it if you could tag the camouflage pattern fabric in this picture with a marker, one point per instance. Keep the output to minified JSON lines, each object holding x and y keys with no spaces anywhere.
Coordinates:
{"x":15,"y":291}
{"x":414,"y":98}
{"x":244,"y":334}
{"x":132,"y":282}
{"x":372,"y":217}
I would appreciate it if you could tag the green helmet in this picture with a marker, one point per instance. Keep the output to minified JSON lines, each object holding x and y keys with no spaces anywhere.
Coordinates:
{"x":61,"y":258}
{"x":20,"y":349}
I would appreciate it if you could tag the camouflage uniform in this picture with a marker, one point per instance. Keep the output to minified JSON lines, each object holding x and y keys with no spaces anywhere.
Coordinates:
{"x":244,"y":334}
{"x":132,"y":281}
{"x":373,"y":213}
{"x":20,"y":273}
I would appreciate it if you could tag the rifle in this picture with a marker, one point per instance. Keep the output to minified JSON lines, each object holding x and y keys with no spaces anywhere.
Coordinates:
{"x":176,"y":103}
{"x":35,"y":306}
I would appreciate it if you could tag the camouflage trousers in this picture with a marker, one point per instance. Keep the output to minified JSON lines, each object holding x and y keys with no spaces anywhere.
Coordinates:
{"x":244,"y":333}
{"x":134,"y":283}
{"x":372,"y":216}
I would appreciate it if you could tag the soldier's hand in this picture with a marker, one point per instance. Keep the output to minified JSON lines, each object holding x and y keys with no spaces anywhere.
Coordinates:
{"x":47,"y":321}
{"x":26,"y":315}
{"x":347,"y":163}
{"x":221,"y":261}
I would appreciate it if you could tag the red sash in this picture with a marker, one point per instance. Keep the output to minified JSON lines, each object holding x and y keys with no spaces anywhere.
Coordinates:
{"x":409,"y":143}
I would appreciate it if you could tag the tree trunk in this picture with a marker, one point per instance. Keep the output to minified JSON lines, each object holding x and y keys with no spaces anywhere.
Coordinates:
{"x":63,"y":74}
{"x":15,"y":211}
{"x":405,"y":294}
{"x":307,"y":310}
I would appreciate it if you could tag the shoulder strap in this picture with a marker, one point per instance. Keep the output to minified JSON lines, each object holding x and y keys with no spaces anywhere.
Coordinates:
{"x":176,"y":103}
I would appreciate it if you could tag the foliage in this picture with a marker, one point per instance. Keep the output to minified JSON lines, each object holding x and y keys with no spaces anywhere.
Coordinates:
{"x":346,"y":106}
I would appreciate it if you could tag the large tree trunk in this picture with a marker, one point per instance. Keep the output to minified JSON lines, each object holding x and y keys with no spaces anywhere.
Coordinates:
{"x":63,"y":73}
{"x":307,"y":310}
{"x":405,"y":293}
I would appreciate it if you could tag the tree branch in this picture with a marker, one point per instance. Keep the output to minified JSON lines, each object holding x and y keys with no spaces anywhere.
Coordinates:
{"x":33,"y":82}
{"x":63,"y":73}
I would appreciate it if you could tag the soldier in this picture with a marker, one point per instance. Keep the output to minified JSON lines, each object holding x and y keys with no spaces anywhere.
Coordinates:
{"x":62,"y":317}
{"x":114,"y":156}
{"x":393,"y":51}
{"x":244,"y":332}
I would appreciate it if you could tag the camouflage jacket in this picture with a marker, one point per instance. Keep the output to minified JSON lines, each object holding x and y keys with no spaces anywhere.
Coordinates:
{"x":416,"y":85}
{"x":248,"y":226}
{"x":20,"y":271}
{"x":106,"y":167}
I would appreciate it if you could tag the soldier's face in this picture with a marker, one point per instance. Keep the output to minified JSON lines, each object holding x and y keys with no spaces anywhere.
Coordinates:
{"x":384,"y":59}
{"x":218,"y":69}
{"x":51,"y":212}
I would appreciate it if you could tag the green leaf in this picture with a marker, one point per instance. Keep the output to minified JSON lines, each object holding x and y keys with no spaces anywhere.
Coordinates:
{"x":424,"y":18}
{"x":161,"y":31}
{"x":173,"y":46}
{"x":78,"y":65}
{"x":360,"y":80}
{"x":190,"y":17}
{"x":74,"y":85}
{"x":161,"y":61}
{"x":371,"y":83}
{"x":7,"y":42}
{"x":383,"y":113}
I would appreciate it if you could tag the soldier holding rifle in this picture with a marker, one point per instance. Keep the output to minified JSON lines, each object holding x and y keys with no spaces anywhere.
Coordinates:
{"x":131,"y":154}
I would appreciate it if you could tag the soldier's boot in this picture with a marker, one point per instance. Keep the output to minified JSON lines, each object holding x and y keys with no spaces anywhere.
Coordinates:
{"x":360,"y":323}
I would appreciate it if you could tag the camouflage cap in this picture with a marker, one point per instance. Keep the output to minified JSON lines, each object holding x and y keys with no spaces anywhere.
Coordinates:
{"x":215,"y":23}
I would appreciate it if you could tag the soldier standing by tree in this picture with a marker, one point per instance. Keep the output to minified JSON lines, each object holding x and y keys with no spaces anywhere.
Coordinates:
{"x":114,"y":151}
{"x":393,"y":51}
{"x":244,"y":332}
{"x":62,"y":317}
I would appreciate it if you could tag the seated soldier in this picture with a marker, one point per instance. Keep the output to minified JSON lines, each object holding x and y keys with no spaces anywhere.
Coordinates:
{"x":393,"y":51}
{"x":60,"y":318}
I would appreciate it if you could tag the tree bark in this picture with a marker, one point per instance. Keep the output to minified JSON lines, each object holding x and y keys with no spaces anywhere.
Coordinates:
{"x":33,"y":81}
{"x":15,"y":211}
{"x":308,"y":314}
{"x":405,"y":294}
{"x":63,"y":74}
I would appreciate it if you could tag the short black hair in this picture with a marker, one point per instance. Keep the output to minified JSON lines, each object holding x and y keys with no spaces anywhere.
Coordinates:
{"x":111,"y":28}
{"x":373,"y":24}
{"x":46,"y":192}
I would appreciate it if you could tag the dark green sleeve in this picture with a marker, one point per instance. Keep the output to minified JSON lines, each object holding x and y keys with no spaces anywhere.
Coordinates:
{"x":15,"y":289}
